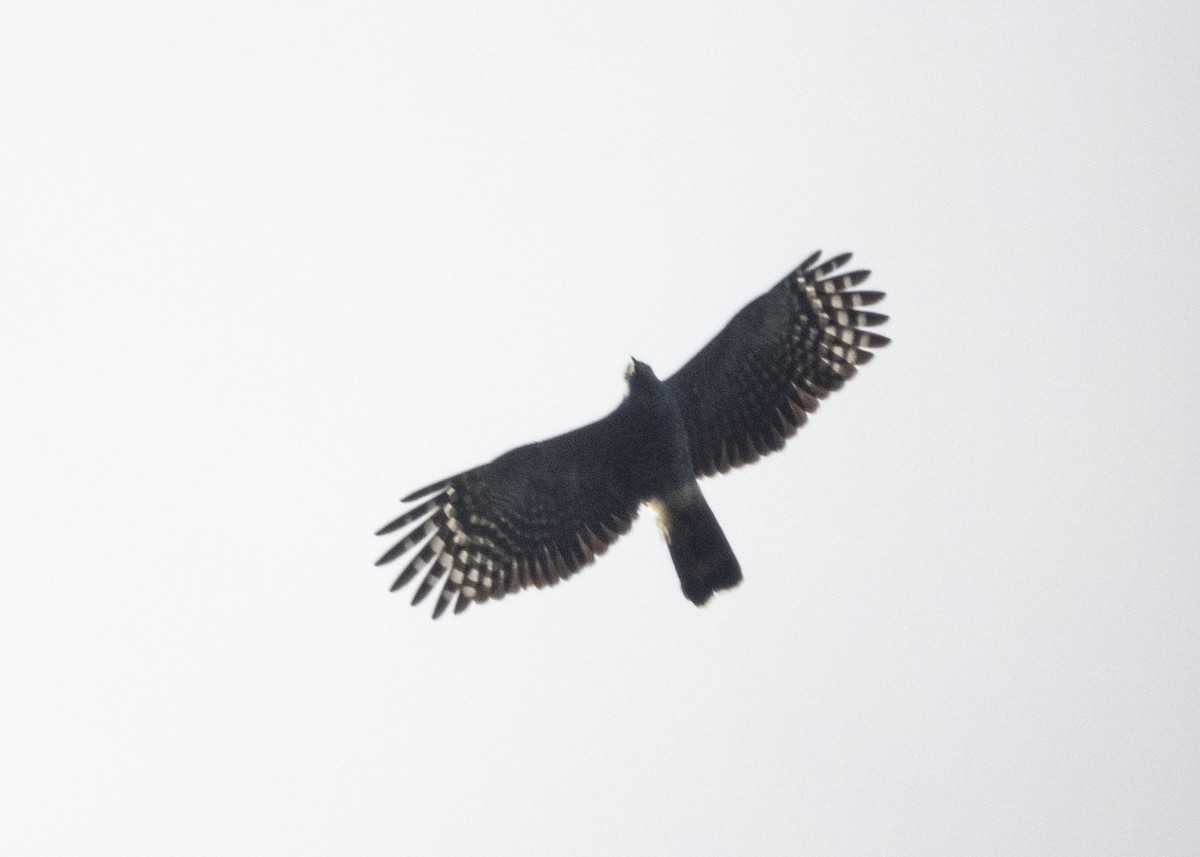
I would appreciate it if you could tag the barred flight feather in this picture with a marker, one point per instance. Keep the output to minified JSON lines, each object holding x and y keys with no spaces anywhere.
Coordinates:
{"x":475,"y":557}
{"x":778,"y":357}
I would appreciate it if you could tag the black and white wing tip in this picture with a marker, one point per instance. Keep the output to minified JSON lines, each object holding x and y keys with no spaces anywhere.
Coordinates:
{"x":467,"y":557}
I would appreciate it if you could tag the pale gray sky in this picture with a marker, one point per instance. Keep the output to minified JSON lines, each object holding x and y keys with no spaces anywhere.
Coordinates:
{"x":265,"y":269}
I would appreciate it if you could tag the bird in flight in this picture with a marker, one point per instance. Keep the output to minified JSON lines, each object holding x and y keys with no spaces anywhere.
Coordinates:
{"x":541,"y":512}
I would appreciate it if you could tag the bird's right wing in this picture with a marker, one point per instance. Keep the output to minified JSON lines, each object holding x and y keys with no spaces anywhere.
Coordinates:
{"x":533,"y":516}
{"x":748,"y":390}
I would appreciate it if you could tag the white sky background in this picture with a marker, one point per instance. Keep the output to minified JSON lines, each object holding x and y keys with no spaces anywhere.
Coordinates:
{"x":266,"y":270}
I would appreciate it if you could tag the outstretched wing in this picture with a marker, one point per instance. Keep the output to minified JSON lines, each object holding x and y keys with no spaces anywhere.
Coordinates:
{"x":532,"y":517}
{"x":748,"y":390}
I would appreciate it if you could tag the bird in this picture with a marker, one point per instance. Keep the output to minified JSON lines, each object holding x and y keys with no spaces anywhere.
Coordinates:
{"x":541,"y":512}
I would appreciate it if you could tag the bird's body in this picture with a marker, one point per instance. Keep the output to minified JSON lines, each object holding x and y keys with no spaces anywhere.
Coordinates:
{"x":542,"y":511}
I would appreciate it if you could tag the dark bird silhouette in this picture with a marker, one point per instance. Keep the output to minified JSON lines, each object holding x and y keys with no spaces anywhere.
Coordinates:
{"x":541,"y":512}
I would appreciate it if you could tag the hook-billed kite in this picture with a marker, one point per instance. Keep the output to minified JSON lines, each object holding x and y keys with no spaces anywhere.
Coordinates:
{"x":541,"y":512}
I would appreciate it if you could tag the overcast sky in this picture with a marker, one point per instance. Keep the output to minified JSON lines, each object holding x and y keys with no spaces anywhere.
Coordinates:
{"x":265,"y":269}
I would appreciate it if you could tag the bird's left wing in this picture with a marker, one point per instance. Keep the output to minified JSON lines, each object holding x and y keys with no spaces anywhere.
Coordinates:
{"x":534,"y":516}
{"x":748,"y":390}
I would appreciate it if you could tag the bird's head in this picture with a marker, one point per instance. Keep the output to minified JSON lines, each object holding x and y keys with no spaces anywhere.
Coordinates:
{"x":638,"y":374}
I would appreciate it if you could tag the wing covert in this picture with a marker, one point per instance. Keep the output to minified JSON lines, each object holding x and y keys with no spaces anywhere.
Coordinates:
{"x":748,"y":390}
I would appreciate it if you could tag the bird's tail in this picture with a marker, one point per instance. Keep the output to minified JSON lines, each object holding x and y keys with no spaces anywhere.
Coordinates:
{"x":701,"y":553}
